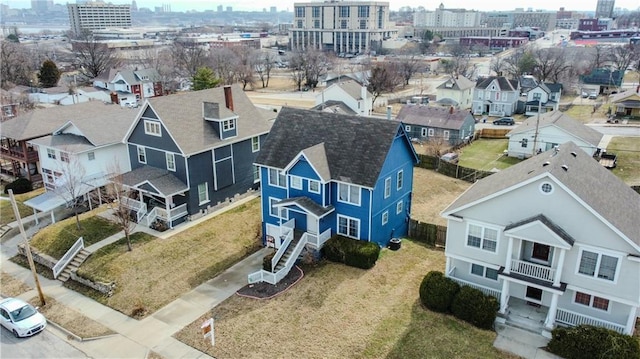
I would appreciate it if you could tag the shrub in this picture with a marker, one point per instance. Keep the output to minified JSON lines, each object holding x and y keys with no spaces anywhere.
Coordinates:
{"x":437,"y":291}
{"x":19,"y":186}
{"x":573,"y":343}
{"x":352,"y":252}
{"x":266,"y":261}
{"x":473,"y":306}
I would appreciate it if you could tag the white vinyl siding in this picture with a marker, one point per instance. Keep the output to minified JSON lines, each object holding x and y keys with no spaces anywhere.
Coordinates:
{"x":482,"y":237}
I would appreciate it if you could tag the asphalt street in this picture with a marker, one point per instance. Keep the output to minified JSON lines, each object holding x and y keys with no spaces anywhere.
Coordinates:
{"x":45,"y":344}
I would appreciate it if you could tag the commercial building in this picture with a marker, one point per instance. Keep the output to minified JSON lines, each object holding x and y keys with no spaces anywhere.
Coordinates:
{"x":543,"y":20}
{"x":442,"y":17}
{"x":604,"y":8}
{"x":97,"y":16}
{"x":341,"y":27}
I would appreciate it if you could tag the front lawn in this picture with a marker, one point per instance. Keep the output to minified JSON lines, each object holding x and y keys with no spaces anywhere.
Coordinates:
{"x":337,"y":311}
{"x":6,"y":210}
{"x":486,"y":154}
{"x":433,"y":192}
{"x":158,"y":271}
{"x":628,"y":151}
{"x":585,"y":114}
{"x":57,"y":238}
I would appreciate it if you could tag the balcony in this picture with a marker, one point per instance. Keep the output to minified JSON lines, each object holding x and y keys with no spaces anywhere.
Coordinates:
{"x":532,"y":270}
{"x":16,"y":153}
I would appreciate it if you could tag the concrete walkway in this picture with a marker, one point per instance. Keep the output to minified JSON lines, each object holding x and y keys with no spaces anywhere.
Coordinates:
{"x":135,"y":338}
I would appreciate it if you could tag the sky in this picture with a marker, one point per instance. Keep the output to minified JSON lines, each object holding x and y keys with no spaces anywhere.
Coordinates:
{"x":248,"y":5}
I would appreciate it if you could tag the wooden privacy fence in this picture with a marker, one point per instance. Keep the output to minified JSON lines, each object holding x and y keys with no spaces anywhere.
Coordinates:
{"x":451,"y":169}
{"x":431,"y":234}
{"x":492,"y":133}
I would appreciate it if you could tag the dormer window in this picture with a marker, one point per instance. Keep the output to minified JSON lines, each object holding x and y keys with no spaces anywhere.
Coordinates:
{"x":152,"y":128}
{"x":228,"y":125}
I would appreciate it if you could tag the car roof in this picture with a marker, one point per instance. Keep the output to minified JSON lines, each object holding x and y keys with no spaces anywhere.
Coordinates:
{"x":12,"y":304}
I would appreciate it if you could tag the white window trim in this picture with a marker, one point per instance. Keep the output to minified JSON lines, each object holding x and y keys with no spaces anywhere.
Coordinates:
{"x":144,"y":153}
{"x":407,"y":128}
{"x":387,"y":187}
{"x":385,"y":217}
{"x":291,"y":182}
{"x":65,"y":157}
{"x":309,"y":186}
{"x":424,"y":132}
{"x":230,"y":125}
{"x":547,"y":183}
{"x":590,"y":305}
{"x":256,"y":169}
{"x":255,"y":147}
{"x":400,"y":180}
{"x":484,"y":226}
{"x":281,"y":211}
{"x":276,"y":182}
{"x":348,"y":219}
{"x":445,"y":134}
{"x":150,"y":126}
{"x":349,"y":193}
{"x":399,"y":207}
{"x":430,"y":132}
{"x":599,"y":252}
{"x":51,"y":153}
{"x":206,"y":192}
{"x":91,"y":154}
{"x":170,"y":158}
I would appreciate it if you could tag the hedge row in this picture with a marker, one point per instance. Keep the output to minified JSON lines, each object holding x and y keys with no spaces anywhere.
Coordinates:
{"x":598,"y":342}
{"x":352,"y":252}
{"x":19,"y":186}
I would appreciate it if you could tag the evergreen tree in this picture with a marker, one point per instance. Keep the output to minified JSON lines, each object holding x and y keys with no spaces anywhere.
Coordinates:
{"x":49,"y":74}
{"x":204,"y":79}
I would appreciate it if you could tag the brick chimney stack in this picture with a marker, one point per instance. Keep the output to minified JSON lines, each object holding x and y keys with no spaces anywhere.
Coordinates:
{"x":228,"y":98}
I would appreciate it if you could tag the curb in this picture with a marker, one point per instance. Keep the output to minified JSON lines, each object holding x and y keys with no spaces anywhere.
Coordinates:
{"x":74,"y":336}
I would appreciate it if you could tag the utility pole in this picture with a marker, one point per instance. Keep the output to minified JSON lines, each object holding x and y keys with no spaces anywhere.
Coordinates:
{"x":27,"y":247}
{"x":535,"y":135}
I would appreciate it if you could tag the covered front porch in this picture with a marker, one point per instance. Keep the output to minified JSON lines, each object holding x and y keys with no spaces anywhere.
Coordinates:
{"x":155,"y":197}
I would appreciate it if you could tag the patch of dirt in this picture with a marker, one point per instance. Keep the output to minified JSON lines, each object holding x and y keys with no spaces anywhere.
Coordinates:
{"x":265,"y":290}
{"x":12,"y":287}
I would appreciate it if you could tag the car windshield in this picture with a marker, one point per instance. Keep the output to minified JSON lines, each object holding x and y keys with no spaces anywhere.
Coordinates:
{"x":23,"y":313}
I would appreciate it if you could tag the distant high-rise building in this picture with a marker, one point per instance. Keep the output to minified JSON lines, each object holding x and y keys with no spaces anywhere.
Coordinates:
{"x":41,"y":6}
{"x":604,"y":8}
{"x":543,"y":20}
{"x":229,"y":9}
{"x":273,"y":9}
{"x":447,"y":18}
{"x":340,"y":26}
{"x":166,"y":8}
{"x":98,"y":15}
{"x":134,"y":6}
{"x":220,"y":8}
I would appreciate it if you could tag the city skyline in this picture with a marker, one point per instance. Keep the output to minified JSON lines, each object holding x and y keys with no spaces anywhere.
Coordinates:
{"x":247,"y":5}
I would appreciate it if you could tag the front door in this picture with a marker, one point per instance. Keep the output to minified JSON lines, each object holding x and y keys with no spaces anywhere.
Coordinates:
{"x":312,"y":224}
{"x":541,"y":252}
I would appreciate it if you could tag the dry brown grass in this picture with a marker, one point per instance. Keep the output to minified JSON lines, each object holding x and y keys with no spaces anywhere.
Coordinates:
{"x":71,"y":320}
{"x":433,"y":192}
{"x":11,"y":287}
{"x":337,"y":311}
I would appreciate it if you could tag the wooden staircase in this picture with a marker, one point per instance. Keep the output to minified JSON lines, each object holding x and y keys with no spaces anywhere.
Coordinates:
{"x":281,"y":263}
{"x":73,"y":265}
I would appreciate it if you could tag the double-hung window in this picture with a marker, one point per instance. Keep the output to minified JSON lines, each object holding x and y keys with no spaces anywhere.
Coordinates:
{"x":64,"y":156}
{"x":592,"y":301}
{"x":255,"y":144}
{"x":387,"y":187}
{"x":51,"y":153}
{"x":482,"y":237}
{"x":203,"y":193}
{"x":295,"y":182}
{"x":349,"y":193}
{"x":348,"y":226}
{"x":142,"y":154}
{"x":171,"y":161}
{"x":276,"y":178}
{"x":385,"y":217}
{"x":400,"y":180}
{"x":152,"y":128}
{"x":314,"y":186}
{"x":277,"y":211}
{"x":483,"y":271}
{"x":598,"y":265}
{"x":399,"y":207}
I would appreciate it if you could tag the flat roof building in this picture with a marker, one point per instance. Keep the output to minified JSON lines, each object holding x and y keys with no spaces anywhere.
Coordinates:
{"x":97,"y":15}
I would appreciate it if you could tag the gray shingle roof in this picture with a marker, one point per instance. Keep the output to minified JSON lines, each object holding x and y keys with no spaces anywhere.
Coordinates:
{"x":503,"y":82}
{"x":563,"y":121}
{"x":618,"y":204}
{"x":66,"y":142}
{"x":457,"y":83}
{"x":431,"y":116}
{"x":334,"y":107}
{"x":182,"y":115}
{"x":547,"y":222}
{"x":308,"y":204}
{"x":163,"y":180}
{"x":353,"y":89}
{"x":355,"y":147}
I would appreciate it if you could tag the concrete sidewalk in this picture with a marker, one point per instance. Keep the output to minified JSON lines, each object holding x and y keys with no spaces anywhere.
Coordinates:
{"x":134,"y":339}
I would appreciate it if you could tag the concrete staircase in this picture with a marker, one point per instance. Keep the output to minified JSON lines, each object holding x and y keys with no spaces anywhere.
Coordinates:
{"x":73,"y":265}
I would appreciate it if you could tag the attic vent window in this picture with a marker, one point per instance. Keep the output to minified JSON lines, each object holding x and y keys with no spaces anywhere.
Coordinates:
{"x":546,"y":164}
{"x":573,"y":154}
{"x":546,"y":188}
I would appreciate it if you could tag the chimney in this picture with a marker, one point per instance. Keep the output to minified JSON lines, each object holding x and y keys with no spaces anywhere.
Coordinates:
{"x":389,"y":112}
{"x":228,"y":98}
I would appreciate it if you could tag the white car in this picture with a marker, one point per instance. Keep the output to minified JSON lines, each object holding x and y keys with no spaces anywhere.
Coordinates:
{"x":21,"y":318}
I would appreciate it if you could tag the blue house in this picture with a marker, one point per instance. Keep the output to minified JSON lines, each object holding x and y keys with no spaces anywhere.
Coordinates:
{"x":323,"y":174}
{"x":189,"y":152}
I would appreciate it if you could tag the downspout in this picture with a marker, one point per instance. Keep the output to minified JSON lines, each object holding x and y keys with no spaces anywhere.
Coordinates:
{"x":370,"y":211}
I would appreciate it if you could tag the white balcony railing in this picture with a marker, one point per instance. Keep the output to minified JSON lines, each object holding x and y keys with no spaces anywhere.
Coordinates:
{"x":483,"y":289}
{"x":568,"y":317}
{"x":318,"y":240}
{"x":532,"y":270}
{"x":138,"y":206}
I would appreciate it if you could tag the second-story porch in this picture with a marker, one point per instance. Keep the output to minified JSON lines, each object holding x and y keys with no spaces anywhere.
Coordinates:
{"x":19,"y":159}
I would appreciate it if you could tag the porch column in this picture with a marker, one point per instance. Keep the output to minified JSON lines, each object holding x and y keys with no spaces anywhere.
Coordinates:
{"x":447,"y":266}
{"x":35,"y":214}
{"x":550,"y":322}
{"x":631,"y":321}
{"x":558,"y":274}
{"x":507,"y":264}
{"x":53,"y":217}
{"x":504,"y":296}
{"x":166,"y":207}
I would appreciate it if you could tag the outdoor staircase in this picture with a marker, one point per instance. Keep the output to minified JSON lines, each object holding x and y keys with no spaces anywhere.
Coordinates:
{"x":282,"y":262}
{"x":73,"y":265}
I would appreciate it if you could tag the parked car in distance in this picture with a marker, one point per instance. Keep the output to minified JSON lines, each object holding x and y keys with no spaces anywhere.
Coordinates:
{"x":21,"y":318}
{"x":450,"y":157}
{"x":505,"y":121}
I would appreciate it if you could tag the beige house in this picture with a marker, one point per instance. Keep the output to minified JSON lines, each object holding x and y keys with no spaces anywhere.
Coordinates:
{"x":458,"y":89}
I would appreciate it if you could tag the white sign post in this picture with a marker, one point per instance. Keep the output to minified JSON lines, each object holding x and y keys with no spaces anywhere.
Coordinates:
{"x":207,"y":330}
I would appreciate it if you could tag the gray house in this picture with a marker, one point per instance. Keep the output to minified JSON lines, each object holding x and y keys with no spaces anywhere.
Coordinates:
{"x":495,"y":96}
{"x":428,"y":123}
{"x":555,"y":238}
{"x":189,"y":152}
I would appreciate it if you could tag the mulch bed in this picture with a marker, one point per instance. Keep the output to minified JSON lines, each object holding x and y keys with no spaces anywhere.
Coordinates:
{"x":265,"y":290}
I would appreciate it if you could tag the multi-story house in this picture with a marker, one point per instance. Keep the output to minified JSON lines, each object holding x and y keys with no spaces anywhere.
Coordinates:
{"x":555,"y":238}
{"x":448,"y":126}
{"x":350,"y":94}
{"x":457,"y":88}
{"x":542,"y":133}
{"x":340,"y":26}
{"x":189,"y":152}
{"x":323,"y":174}
{"x":130,"y":87}
{"x":545,"y":97}
{"x":495,"y":96}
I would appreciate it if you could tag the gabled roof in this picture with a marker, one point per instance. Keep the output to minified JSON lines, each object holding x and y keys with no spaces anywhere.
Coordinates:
{"x":617,"y":205}
{"x":162,"y":180}
{"x":307,"y":204}
{"x":527,"y":82}
{"x":334,"y":107}
{"x":557,"y":230}
{"x":431,"y":116}
{"x":503,"y":83}
{"x":355,"y":147}
{"x":621,"y":96}
{"x":135,"y":76}
{"x":182,"y":116}
{"x":553,"y":87}
{"x":99,"y":122}
{"x":352,"y":89}
{"x":317,"y":156}
{"x":563,"y":121}
{"x":459,"y":83}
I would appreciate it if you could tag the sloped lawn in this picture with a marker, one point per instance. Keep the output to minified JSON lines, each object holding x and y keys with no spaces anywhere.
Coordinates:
{"x":628,"y":151}
{"x":337,"y":311}
{"x":6,"y":210}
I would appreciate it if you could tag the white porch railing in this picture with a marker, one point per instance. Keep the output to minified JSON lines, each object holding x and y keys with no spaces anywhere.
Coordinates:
{"x":318,"y":241}
{"x":282,"y":250}
{"x":483,"y":289}
{"x":573,"y":319}
{"x":532,"y":270}
{"x":151,"y":216}
{"x":138,"y":206}
{"x":273,"y":278}
{"x":68,"y":257}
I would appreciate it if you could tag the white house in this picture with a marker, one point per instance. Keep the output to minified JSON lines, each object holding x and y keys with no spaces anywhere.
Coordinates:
{"x":130,"y":87}
{"x":543,"y":98}
{"x":352,"y":95}
{"x":495,"y":96}
{"x":458,"y":89}
{"x":555,"y":238}
{"x":553,"y":128}
{"x":83,"y":153}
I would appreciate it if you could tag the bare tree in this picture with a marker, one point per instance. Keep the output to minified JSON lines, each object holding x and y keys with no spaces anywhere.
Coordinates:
{"x":94,"y":57}
{"x":263,"y":65}
{"x":599,"y":57}
{"x":384,"y":78}
{"x":408,"y":64}
{"x":519,"y":62}
{"x":161,"y":60}
{"x":188,"y":58}
{"x":497,"y":65}
{"x":551,"y":64}
{"x":13,"y":64}
{"x":297,"y":68}
{"x":623,"y":56}
{"x":245,"y":67}
{"x":117,"y":193}
{"x":224,"y":63}
{"x":70,"y":185}
{"x":315,"y":65}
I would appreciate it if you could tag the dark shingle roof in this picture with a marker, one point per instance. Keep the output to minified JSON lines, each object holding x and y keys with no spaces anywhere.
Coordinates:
{"x":547,"y":222}
{"x":308,"y":204}
{"x":457,"y":83}
{"x":618,"y":204}
{"x":430,"y":116}
{"x":553,"y":87}
{"x":334,"y":107}
{"x":163,"y":180}
{"x":355,"y":147}
{"x":505,"y":85}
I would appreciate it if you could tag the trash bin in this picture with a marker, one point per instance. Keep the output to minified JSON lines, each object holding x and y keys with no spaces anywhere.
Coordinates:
{"x":394,"y":244}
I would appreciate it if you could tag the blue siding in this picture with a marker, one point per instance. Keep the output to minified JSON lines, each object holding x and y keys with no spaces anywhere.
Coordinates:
{"x":164,"y":142}
{"x":267,"y":192}
{"x":158,"y":159}
{"x":200,"y":171}
{"x":303,"y":169}
{"x":360,"y":212}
